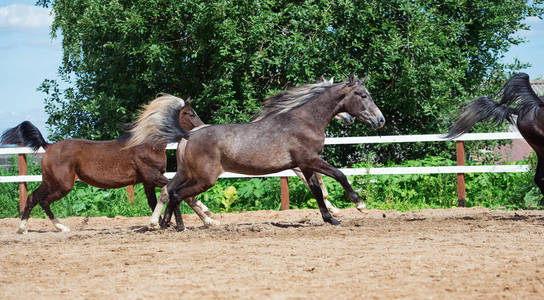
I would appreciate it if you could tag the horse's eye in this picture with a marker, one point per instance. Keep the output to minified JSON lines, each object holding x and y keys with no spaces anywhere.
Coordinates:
{"x":364,"y":96}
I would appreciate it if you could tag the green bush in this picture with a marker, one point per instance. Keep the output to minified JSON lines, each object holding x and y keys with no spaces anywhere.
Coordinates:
{"x":406,"y":192}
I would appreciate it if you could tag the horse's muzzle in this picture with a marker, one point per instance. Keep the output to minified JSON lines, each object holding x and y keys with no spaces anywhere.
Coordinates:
{"x":348,"y":121}
{"x":377,"y":122}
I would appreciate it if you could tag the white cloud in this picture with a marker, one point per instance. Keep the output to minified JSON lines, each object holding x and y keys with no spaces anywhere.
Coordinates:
{"x":19,"y":16}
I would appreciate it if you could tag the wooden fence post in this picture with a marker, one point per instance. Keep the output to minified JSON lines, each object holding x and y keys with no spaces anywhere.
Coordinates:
{"x":461,"y":187}
{"x":23,"y":192}
{"x":130,"y":194}
{"x":284,"y":184}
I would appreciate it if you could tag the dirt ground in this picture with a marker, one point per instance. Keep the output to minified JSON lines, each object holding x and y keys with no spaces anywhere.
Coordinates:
{"x":440,"y":254}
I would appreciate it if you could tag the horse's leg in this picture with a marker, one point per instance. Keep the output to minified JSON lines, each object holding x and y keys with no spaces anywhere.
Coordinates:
{"x":165,"y":197}
{"x":150,"y":195}
{"x":177,"y":214}
{"x":173,"y":207}
{"x":200,"y":209}
{"x":204,"y":208}
{"x":149,"y":189}
{"x":197,"y":206}
{"x":61,"y":227}
{"x":333,"y":210}
{"x":159,"y":179}
{"x":180,"y":226}
{"x":320,"y":166}
{"x":61,"y":190}
{"x":156,"y":215}
{"x":311,"y":178}
{"x":539,"y":175}
{"x":180,"y":191}
{"x":32,"y":200}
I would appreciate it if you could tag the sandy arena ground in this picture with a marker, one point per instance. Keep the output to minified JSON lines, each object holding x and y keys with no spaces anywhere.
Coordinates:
{"x":439,"y":254}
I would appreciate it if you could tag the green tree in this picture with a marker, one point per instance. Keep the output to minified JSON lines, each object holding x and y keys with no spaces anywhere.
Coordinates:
{"x":423,"y":57}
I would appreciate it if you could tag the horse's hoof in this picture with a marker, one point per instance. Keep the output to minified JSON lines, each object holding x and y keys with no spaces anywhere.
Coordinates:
{"x":361,"y":207}
{"x":180,"y":228}
{"x":154,"y":226}
{"x":21,"y":231}
{"x":62,"y":228}
{"x":333,"y":221}
{"x":209,"y":222}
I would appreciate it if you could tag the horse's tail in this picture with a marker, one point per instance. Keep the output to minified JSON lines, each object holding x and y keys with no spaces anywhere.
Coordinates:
{"x":24,"y":134}
{"x":158,"y":123}
{"x":481,"y":109}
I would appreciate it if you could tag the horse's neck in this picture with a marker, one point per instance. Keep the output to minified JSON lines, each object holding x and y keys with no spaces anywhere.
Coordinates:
{"x":320,"y":111}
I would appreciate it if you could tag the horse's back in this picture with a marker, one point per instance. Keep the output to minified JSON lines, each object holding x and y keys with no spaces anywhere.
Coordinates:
{"x":100,"y":163}
{"x":254,"y":148}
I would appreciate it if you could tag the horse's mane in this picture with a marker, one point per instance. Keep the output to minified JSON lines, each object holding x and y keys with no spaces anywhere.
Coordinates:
{"x":292,"y":98}
{"x":157,"y":123}
{"x":518,"y":90}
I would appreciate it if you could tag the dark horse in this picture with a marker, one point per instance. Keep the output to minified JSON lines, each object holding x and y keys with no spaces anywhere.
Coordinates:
{"x":137,"y":156}
{"x":529,"y":110}
{"x":288,"y":133}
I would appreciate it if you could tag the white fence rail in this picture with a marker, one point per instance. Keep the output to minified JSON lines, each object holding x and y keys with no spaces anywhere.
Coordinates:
{"x":350,"y":171}
{"x":346,"y":171}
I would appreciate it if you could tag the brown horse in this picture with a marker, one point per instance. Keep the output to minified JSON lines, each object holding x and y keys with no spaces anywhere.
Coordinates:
{"x":288,"y":133}
{"x":529,"y":110}
{"x":138,"y":156}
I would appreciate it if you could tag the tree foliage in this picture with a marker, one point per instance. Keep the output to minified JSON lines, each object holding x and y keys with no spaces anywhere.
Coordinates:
{"x":423,"y":57}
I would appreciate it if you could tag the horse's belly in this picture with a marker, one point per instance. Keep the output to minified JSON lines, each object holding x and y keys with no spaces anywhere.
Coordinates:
{"x":257,"y":166}
{"x":107,"y":183}
{"x":108,"y":178}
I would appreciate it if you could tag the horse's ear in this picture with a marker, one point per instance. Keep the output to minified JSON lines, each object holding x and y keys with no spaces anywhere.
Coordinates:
{"x":188,"y":101}
{"x":364,"y":79}
{"x":351,"y":79}
{"x":322,"y":78}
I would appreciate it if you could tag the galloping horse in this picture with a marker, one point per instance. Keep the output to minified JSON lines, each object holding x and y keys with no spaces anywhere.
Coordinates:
{"x":529,"y":111}
{"x":204,"y":212}
{"x":137,"y":156}
{"x":288,"y":133}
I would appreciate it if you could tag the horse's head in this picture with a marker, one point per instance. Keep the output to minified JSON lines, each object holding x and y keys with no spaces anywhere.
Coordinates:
{"x":358,"y":103}
{"x":188,"y":119}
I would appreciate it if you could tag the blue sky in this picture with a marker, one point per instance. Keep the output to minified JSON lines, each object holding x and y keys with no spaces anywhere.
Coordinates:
{"x":28,"y":56}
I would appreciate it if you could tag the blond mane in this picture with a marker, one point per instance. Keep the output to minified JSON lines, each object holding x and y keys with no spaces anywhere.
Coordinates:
{"x":156,"y":121}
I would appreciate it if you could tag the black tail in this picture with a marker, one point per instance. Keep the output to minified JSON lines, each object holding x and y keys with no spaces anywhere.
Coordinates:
{"x":24,"y":134}
{"x":481,"y":109}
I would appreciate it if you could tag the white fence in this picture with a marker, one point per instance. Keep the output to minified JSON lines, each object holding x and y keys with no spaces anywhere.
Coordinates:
{"x":351,"y":171}
{"x":460,"y":169}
